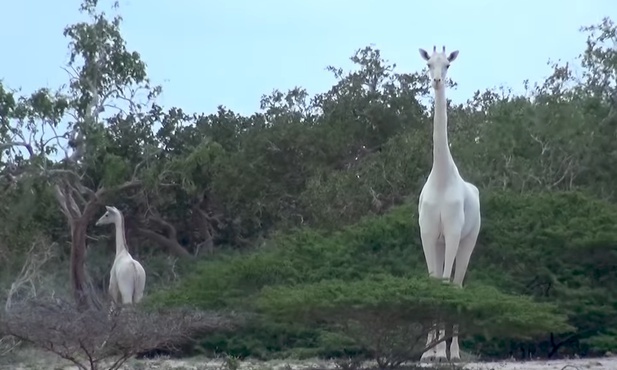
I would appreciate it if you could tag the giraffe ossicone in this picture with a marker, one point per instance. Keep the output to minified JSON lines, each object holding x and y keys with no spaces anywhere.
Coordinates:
{"x":448,"y":207}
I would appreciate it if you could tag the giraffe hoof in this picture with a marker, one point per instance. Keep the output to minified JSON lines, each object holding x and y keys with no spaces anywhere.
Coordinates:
{"x":434,"y":359}
{"x":428,"y":358}
{"x":455,"y":359}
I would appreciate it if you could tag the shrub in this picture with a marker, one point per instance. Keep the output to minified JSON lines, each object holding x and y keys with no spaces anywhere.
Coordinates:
{"x":94,"y":339}
{"x":554,"y":247}
{"x":390,"y":317}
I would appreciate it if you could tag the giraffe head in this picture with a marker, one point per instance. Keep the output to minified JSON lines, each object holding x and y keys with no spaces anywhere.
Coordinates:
{"x":438,"y":64}
{"x":112,"y":216}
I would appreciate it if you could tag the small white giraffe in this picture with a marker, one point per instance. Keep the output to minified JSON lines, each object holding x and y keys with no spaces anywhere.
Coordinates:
{"x":448,"y":207}
{"x":127,"y":277}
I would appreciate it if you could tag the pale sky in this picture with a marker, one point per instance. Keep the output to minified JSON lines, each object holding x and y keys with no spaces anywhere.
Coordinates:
{"x":207,"y":53}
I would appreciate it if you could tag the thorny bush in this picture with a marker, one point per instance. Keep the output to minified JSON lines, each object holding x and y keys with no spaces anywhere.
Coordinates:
{"x":100,"y":339}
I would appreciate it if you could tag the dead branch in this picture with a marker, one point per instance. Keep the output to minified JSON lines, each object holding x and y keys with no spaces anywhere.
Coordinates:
{"x":566,"y":168}
{"x":92,"y":339}
{"x":39,"y":253}
{"x":544,"y":146}
{"x":68,"y":206}
{"x":66,"y":192}
{"x":7,"y":344}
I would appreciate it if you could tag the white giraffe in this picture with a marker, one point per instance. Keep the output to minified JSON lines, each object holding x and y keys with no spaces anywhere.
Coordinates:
{"x":127,"y":277}
{"x":448,"y":207}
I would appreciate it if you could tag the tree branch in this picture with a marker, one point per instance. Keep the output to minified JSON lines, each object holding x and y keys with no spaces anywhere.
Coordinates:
{"x":168,"y":241}
{"x":12,"y":144}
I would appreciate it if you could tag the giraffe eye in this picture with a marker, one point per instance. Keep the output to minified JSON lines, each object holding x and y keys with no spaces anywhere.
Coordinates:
{"x":447,"y":66}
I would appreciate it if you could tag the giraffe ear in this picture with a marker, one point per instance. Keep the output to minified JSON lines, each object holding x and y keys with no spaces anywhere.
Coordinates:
{"x":108,"y":208}
{"x":424,"y":54}
{"x":452,"y":56}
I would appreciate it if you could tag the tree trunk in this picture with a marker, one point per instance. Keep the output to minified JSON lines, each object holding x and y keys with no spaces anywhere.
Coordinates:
{"x":78,"y":264}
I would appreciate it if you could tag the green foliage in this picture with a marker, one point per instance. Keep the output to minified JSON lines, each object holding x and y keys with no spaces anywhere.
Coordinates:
{"x":557,"y":247}
{"x":389,"y":317}
{"x":529,"y":237}
{"x":116,"y":170}
{"x":478,"y":307}
{"x":372,"y":185}
{"x":603,"y":342}
{"x":306,"y":255}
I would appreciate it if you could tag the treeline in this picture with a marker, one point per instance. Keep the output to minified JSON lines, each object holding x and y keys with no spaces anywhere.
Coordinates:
{"x":334,"y":165}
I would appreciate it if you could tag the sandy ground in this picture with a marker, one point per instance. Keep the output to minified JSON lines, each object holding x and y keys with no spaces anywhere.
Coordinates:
{"x":605,"y":363}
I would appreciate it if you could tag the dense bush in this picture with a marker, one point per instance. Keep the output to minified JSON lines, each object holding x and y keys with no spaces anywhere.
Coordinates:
{"x":556,"y":247}
{"x":390,"y":317}
{"x":527,"y":240}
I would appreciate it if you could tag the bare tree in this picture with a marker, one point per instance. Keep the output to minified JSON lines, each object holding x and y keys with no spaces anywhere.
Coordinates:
{"x":25,"y":284}
{"x":92,"y":339}
{"x":39,"y":253}
{"x":390,"y":339}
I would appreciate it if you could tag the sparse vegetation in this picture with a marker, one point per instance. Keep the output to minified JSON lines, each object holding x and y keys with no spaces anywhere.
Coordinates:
{"x":96,"y":339}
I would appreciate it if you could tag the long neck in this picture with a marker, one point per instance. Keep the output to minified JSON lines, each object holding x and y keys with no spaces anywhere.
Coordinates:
{"x":120,"y":237}
{"x":442,"y":158}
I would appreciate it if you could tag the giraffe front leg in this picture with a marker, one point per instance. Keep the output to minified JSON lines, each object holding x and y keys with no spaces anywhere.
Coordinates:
{"x":113,"y":295}
{"x":430,"y":354}
{"x":441,"y":355}
{"x":437,"y":354}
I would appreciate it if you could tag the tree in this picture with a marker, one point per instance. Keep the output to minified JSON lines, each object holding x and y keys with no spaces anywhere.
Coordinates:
{"x":391,"y":317}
